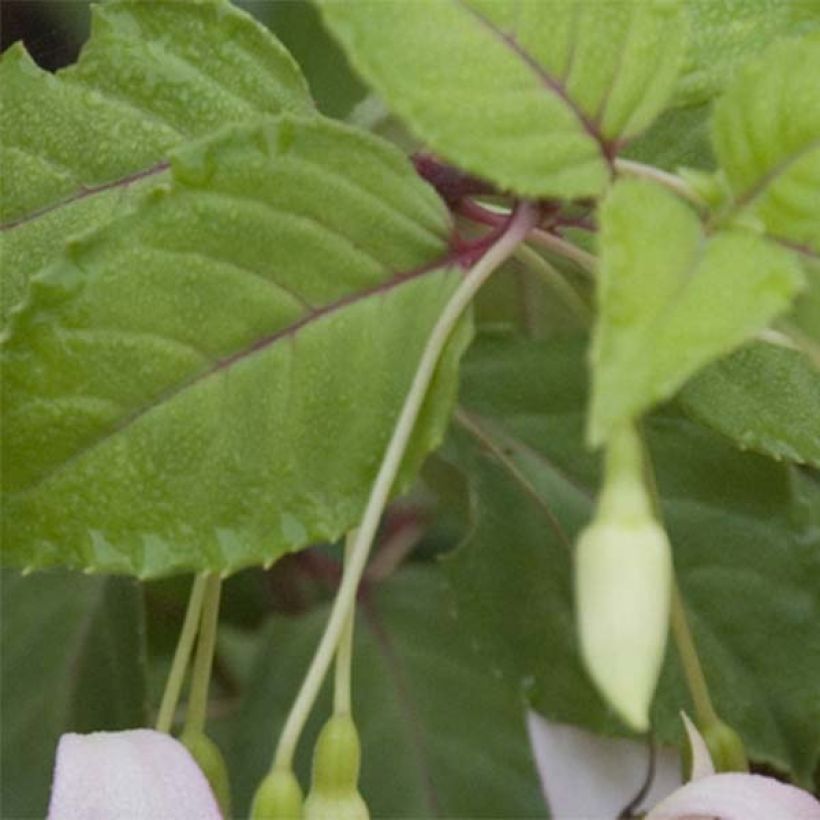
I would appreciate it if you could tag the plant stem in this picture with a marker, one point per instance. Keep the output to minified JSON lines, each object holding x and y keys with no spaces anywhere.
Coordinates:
{"x":672,"y":181}
{"x":549,"y":274}
{"x":182,"y":656}
{"x":344,"y":652}
{"x":201,"y":674}
{"x":521,"y":222}
{"x":586,"y":261}
{"x":681,"y":633}
{"x":692,"y":669}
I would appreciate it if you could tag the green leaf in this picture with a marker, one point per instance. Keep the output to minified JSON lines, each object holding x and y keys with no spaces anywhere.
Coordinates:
{"x":764,"y":397}
{"x":210,"y":381}
{"x":727,"y":33}
{"x":73,"y":660}
{"x":441,"y":735}
{"x":77,"y":146}
{"x":532,"y":95}
{"x":746,"y":555}
{"x":672,"y":299}
{"x":766,"y":134}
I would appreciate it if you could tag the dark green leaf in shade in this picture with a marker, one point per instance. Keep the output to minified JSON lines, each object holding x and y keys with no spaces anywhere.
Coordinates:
{"x":765,"y":397}
{"x":442,"y":735}
{"x":210,"y":380}
{"x":746,"y":554}
{"x":73,"y":660}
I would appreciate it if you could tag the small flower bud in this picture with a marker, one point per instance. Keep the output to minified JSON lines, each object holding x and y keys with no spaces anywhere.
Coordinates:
{"x":278,"y":797}
{"x":334,"y":793}
{"x":725,"y":747}
{"x":623,"y":579}
{"x":210,"y":760}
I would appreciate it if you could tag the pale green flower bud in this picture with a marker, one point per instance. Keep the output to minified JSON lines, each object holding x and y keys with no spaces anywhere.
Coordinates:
{"x":334,"y":793}
{"x":210,"y":760}
{"x":623,"y":579}
{"x":279,"y":797}
{"x":725,"y":747}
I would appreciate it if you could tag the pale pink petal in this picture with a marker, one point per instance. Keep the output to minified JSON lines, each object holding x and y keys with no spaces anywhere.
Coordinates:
{"x":734,"y":796}
{"x":702,"y":765}
{"x":585,"y":776}
{"x":135,"y":775}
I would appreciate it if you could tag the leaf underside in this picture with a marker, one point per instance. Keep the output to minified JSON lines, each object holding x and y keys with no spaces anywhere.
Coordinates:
{"x":210,"y":380}
{"x":535,"y":96}
{"x":78,"y":146}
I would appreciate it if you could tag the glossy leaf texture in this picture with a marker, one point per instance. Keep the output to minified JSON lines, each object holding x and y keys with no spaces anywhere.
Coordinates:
{"x":728,"y":33}
{"x":210,"y":381}
{"x":73,"y":660}
{"x":441,"y":735}
{"x":743,"y":530}
{"x":533,"y":95}
{"x":672,"y":298}
{"x":766,"y":133}
{"x":764,"y":397}
{"x":78,"y":145}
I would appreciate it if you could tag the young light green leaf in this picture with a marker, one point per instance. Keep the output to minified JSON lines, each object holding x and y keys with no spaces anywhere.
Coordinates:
{"x":746,"y":554}
{"x":535,"y":96}
{"x":727,"y":33}
{"x":210,"y":380}
{"x":765,"y":397}
{"x":672,"y":299}
{"x":73,"y":661}
{"x":76,"y":146}
{"x":766,"y":134}
{"x":430,"y":714}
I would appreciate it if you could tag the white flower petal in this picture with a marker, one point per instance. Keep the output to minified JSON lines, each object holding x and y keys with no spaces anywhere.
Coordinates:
{"x":702,"y":765}
{"x":134,"y":775}
{"x":584,"y":775}
{"x":734,"y":796}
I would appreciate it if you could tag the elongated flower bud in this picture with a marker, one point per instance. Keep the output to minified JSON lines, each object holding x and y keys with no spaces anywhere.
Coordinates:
{"x":334,"y":793}
{"x":210,"y":760}
{"x":279,"y":797}
{"x":623,"y":580}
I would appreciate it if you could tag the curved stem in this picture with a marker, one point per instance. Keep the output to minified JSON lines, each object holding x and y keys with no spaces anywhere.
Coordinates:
{"x":552,"y":277}
{"x":692,"y":669}
{"x":182,"y":656}
{"x":586,"y":261}
{"x":518,"y":227}
{"x":681,"y":633}
{"x":344,"y":652}
{"x":201,"y":674}
{"x":671,"y":181}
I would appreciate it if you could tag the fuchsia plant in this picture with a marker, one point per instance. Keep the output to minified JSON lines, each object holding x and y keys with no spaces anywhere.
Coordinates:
{"x":235,"y":327}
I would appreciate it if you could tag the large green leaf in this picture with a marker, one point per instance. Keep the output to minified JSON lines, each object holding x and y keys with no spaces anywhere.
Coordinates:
{"x":767,"y":139}
{"x":73,"y":660}
{"x":77,"y":146}
{"x":727,"y":33}
{"x":765,"y":397}
{"x":210,"y":380}
{"x":747,"y":558}
{"x":533,"y":95}
{"x":442,"y":736}
{"x":672,"y":299}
